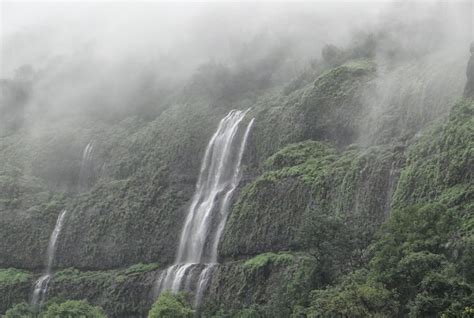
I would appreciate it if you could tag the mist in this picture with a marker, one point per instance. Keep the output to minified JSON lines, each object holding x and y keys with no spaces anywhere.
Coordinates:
{"x":112,"y":60}
{"x":77,"y":57}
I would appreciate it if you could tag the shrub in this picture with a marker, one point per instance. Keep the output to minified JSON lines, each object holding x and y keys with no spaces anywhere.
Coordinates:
{"x":13,"y":275}
{"x":73,"y":309}
{"x":263,"y":260}
{"x":21,"y":310}
{"x":170,"y":305}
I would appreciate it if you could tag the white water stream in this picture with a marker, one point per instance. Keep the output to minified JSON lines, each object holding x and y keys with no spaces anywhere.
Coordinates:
{"x":41,"y":285}
{"x":218,"y":178}
{"x":86,"y":167}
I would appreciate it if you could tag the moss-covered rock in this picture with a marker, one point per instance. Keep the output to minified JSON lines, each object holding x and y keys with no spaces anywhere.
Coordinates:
{"x":308,"y":179}
{"x":271,"y":282}
{"x":329,"y":108}
{"x":441,"y":158}
{"x":121,"y":292}
{"x":28,"y":211}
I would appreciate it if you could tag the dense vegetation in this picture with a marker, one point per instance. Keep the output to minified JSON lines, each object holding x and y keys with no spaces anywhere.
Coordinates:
{"x":70,"y":308}
{"x":324,"y":223}
{"x":169,"y":305}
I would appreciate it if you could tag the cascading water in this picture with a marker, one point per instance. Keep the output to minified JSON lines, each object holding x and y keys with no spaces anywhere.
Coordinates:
{"x":218,"y":178}
{"x":86,"y":166}
{"x":41,"y":286}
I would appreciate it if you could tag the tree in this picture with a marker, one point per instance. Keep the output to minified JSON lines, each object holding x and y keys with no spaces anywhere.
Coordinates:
{"x":20,"y":310}
{"x":170,"y":305}
{"x":329,"y":240}
{"x":355,"y":296}
{"x":74,"y":309}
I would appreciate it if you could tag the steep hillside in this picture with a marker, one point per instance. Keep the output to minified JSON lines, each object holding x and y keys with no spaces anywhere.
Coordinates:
{"x":323,"y":222}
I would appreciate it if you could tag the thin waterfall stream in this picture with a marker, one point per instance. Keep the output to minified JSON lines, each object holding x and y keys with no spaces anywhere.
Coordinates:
{"x":41,"y":285}
{"x":219,"y":177}
{"x":86,"y":167}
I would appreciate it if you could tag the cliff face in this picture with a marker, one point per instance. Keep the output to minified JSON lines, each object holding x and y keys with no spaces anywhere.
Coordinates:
{"x":151,"y":166}
{"x":307,"y":180}
{"x":308,"y":213}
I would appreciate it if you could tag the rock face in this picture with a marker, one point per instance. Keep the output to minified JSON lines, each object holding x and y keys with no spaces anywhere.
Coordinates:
{"x":308,"y":179}
{"x":129,"y":292}
{"x":151,"y":167}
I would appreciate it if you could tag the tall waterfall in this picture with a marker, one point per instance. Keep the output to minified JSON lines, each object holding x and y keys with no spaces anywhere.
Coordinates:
{"x":41,"y":285}
{"x":218,"y":178}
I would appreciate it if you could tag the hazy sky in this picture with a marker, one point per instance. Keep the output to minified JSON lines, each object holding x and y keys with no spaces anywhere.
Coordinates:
{"x":101,"y":52}
{"x":187,"y":32}
{"x":34,"y":33}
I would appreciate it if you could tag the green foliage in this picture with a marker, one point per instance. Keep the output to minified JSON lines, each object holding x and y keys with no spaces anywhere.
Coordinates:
{"x":418,"y":263}
{"x":442,"y":158}
{"x":73,"y":309}
{"x":441,"y":291}
{"x":413,"y":264}
{"x":415,"y":256}
{"x":21,"y":310}
{"x":297,"y":154}
{"x":354,"y":296}
{"x":247,"y":313}
{"x":13,"y":276}
{"x":140,"y":268}
{"x":15,"y":287}
{"x":266,"y":259}
{"x":118,"y":291}
{"x":27,"y":207}
{"x":170,"y":305}
{"x":332,"y":244}
{"x":327,"y":107}
{"x":66,"y":309}
{"x":422,"y":231}
{"x":75,"y":276}
{"x":267,"y":285}
{"x":314,"y":198}
{"x":252,"y":312}
{"x":317,"y":197}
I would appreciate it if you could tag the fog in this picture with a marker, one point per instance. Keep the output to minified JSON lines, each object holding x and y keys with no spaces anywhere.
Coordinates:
{"x":67,"y":58}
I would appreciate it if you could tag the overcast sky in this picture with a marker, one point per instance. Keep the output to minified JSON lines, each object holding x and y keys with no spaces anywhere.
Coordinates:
{"x":33,"y":33}
{"x":185,"y":34}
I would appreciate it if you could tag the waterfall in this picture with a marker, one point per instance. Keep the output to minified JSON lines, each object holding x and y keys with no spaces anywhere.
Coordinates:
{"x":41,"y":285}
{"x":218,"y":178}
{"x":203,"y":281}
{"x":86,"y":166}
